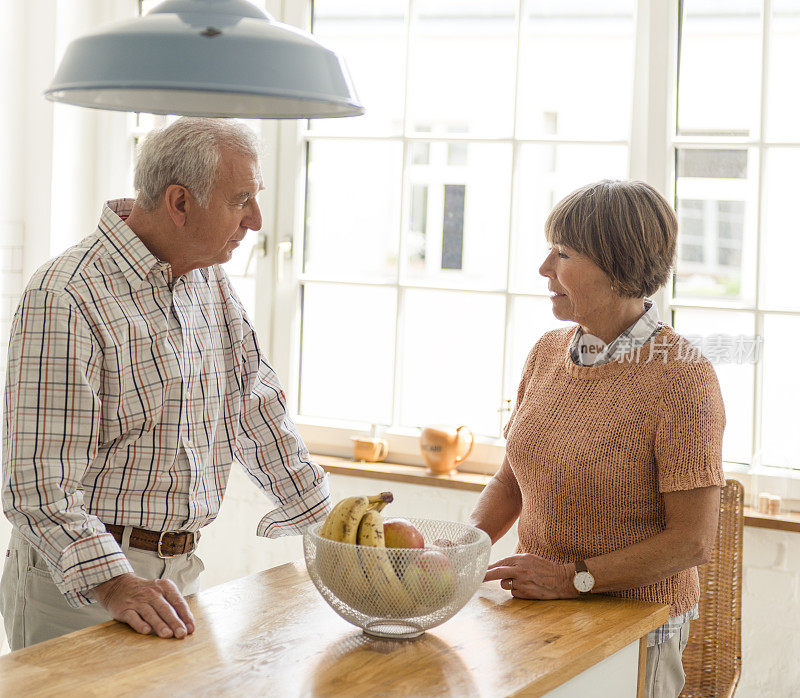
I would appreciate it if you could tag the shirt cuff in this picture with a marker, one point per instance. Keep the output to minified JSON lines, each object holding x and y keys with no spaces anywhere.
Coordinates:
{"x":293,"y":518}
{"x":86,"y":563}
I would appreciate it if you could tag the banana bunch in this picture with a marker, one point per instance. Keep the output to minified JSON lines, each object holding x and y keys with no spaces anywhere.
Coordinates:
{"x":340,"y":568}
{"x":362,"y":576}
{"x":342,"y":523}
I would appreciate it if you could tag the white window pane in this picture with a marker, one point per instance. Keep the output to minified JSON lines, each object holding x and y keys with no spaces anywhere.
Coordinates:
{"x":462,"y":67}
{"x":780,"y":445}
{"x":737,"y":380}
{"x":151,"y":121}
{"x":576,"y":69}
{"x":716,"y":193}
{"x":531,"y":317}
{"x":452,"y":359}
{"x":243,"y":260}
{"x":781,"y":232}
{"x":457,"y":222}
{"x":245,"y":287}
{"x":783,"y":104}
{"x":547,"y":173}
{"x":720,"y":68}
{"x":353,"y":210}
{"x":347,"y":352}
{"x":371,"y":38}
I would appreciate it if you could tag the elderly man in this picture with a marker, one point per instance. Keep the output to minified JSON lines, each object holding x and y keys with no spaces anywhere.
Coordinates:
{"x":134,"y":380}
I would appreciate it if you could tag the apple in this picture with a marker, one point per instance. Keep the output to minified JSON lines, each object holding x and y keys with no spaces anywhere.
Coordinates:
{"x":401,"y":533}
{"x":430,"y":578}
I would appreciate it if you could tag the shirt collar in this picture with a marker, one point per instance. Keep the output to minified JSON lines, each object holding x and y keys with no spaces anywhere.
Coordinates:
{"x":127,"y":248}
{"x":638,"y":334}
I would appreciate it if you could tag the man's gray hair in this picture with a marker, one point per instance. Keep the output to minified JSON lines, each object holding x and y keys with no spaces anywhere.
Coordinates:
{"x":187,"y":152}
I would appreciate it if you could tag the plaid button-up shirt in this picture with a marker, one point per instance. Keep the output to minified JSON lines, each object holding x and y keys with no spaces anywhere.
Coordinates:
{"x":129,"y":394}
{"x":637,"y":335}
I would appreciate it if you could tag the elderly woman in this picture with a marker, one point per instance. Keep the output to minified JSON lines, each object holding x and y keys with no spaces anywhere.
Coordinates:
{"x":613,"y":459}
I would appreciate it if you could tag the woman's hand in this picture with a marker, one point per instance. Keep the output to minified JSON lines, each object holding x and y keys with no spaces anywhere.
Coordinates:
{"x":531,"y":577}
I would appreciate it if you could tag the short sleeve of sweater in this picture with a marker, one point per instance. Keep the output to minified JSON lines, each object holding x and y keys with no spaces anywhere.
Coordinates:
{"x":688,"y":446}
{"x":527,"y":371}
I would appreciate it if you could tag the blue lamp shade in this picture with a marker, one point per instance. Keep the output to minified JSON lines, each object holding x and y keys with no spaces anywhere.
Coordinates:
{"x":205,"y":58}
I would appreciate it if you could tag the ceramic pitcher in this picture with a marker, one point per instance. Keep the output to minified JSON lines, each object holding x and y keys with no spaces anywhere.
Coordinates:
{"x":443,"y":448}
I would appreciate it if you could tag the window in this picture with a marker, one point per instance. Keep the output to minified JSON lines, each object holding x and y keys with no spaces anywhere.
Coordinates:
{"x":416,"y":230}
{"x":422,"y":235}
{"x":737,"y":151}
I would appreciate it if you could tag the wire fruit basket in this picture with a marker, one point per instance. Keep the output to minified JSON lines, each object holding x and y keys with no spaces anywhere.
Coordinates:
{"x":399,"y":592}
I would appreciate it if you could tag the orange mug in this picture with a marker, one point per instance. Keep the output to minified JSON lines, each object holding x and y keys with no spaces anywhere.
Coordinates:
{"x":441,"y":447}
{"x":370,"y":450}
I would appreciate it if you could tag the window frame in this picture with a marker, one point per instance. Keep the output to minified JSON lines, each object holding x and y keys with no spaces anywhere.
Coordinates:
{"x":653,"y":145}
{"x":649,"y":158}
{"x":780,"y":478}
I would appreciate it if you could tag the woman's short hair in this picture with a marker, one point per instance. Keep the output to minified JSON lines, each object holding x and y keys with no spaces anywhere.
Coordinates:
{"x":187,"y":152}
{"x":626,"y":228}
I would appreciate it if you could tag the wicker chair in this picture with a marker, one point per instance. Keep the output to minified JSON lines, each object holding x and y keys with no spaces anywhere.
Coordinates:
{"x":712,"y":658}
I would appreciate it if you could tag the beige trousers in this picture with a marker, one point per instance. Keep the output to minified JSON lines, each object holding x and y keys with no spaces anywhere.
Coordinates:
{"x":664,"y":677}
{"x":34,"y":610}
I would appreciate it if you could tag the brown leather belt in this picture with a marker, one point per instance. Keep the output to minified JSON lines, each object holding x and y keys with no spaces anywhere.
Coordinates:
{"x":165,"y":543}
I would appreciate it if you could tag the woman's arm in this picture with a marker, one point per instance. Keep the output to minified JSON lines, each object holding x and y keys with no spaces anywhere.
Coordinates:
{"x":499,"y":505}
{"x":687,"y":541}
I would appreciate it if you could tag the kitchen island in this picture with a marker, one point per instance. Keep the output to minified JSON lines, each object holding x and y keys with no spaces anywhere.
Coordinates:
{"x":272,"y":634}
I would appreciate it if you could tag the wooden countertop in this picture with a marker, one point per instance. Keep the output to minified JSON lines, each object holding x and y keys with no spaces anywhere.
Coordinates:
{"x":272,"y":634}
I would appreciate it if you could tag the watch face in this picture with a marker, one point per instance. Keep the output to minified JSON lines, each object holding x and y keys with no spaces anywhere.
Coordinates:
{"x":583,"y":581}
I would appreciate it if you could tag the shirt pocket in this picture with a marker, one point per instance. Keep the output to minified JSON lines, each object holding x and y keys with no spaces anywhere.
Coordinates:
{"x":134,"y":412}
{"x":142,"y":407}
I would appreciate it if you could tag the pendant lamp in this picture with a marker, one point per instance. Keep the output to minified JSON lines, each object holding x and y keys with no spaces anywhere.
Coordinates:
{"x":205,"y":58}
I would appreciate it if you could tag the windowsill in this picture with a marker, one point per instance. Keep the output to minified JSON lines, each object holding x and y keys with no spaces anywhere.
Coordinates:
{"x":475,"y":482}
{"x":397,"y":472}
{"x":788,"y":521}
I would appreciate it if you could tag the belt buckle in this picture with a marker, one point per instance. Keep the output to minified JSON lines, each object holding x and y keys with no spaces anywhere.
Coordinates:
{"x":161,"y":540}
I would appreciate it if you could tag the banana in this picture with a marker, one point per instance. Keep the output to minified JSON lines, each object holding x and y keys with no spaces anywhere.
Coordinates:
{"x":370,"y":529}
{"x":342,"y":523}
{"x":379,"y":501}
{"x":340,"y":567}
{"x":391,"y":597}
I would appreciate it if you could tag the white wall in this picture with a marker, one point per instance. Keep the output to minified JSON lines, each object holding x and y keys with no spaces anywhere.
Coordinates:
{"x":49,"y":162}
{"x":770,"y":614}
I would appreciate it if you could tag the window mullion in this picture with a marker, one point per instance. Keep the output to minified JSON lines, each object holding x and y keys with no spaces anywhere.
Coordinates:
{"x":758,"y":320}
{"x":505,"y":385}
{"x":654,"y":104}
{"x":397,"y":378}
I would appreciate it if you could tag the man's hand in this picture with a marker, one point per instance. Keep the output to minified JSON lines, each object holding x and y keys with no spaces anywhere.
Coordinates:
{"x":147,"y":605}
{"x":531,"y":577}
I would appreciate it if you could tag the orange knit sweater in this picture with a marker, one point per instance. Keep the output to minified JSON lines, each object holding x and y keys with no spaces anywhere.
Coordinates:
{"x":593,"y":448}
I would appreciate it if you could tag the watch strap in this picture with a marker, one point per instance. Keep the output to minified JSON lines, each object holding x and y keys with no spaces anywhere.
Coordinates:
{"x":580,"y":566}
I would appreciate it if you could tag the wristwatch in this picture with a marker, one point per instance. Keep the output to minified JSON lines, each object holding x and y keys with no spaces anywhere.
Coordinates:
{"x":583,"y":580}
